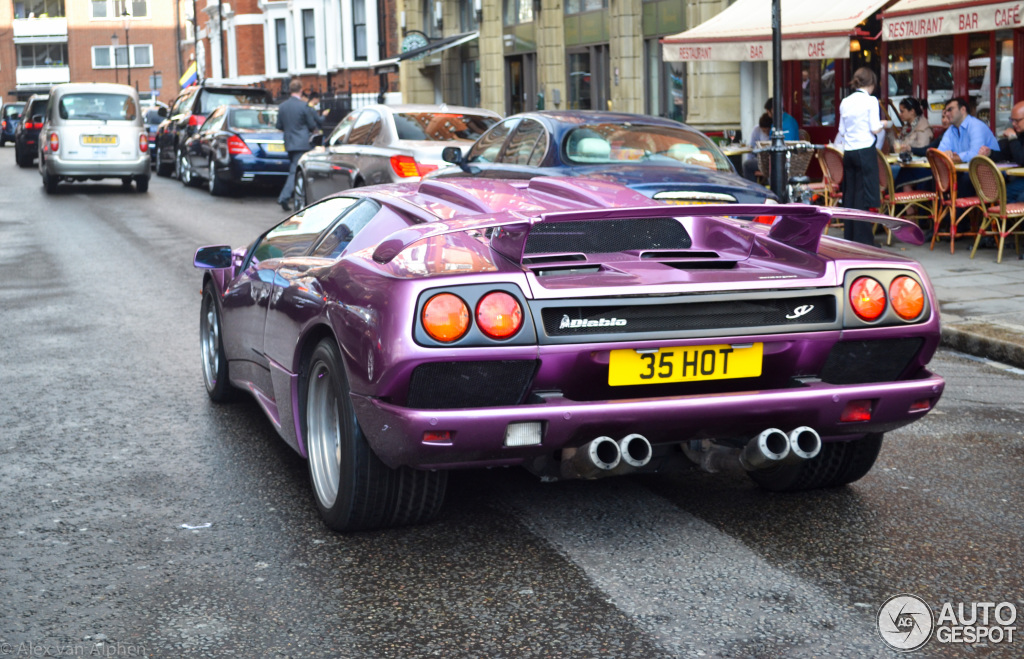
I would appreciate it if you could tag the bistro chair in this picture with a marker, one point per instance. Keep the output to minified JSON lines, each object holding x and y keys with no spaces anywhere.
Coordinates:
{"x":831,"y":161}
{"x":947,"y":204}
{"x":1001,"y":218}
{"x":898,"y":204}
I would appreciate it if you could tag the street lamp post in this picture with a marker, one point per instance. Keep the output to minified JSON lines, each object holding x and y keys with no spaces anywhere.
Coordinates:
{"x":113,"y":42}
{"x":127,"y":45}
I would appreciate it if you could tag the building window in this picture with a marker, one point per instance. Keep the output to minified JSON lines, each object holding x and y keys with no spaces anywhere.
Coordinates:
{"x":39,"y":9}
{"x":108,"y":57}
{"x":359,"y":29}
{"x":118,"y":8}
{"x":467,"y":16}
{"x":517,"y":11}
{"x":34,"y":55}
{"x":431,"y":18}
{"x":309,"y":37}
{"x":281,"y":37}
{"x":583,"y":6}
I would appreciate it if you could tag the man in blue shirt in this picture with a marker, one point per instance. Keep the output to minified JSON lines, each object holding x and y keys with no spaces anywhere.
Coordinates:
{"x":967,"y":136}
{"x":789,"y":125}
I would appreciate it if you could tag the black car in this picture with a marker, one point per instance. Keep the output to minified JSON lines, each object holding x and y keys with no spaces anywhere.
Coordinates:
{"x":9,"y":118}
{"x":152,"y":116}
{"x":26,"y":134}
{"x":189,"y":111}
{"x":238,"y":144}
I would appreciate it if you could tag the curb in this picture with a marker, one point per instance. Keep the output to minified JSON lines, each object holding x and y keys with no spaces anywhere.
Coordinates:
{"x":978,"y":340}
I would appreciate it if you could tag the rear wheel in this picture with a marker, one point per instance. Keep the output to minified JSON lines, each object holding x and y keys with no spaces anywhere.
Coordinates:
{"x":184,"y":169}
{"x":215,"y":364}
{"x":838,"y":463}
{"x":353,"y":489}
{"x":142,"y":184}
{"x":162,"y":168}
{"x":49,"y":182}
{"x":216,"y":186}
{"x":21,"y":158}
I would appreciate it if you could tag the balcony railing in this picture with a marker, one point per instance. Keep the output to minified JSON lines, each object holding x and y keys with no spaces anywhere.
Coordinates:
{"x":38,"y":30}
{"x":41,"y":75}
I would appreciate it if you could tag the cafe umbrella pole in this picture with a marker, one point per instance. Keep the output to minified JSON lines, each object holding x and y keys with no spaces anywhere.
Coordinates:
{"x":778,"y":149}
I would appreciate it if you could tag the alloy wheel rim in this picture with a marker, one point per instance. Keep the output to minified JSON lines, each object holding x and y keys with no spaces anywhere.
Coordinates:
{"x":324,"y":435}
{"x":184,"y":173}
{"x":213,"y":173}
{"x":300,"y":193}
{"x":210,"y":341}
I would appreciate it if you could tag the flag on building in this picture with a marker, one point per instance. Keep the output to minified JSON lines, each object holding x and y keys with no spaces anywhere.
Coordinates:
{"x":190,"y":77}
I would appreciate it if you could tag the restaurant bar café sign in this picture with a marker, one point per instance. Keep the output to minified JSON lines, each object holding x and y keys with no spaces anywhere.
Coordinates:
{"x":978,"y":18}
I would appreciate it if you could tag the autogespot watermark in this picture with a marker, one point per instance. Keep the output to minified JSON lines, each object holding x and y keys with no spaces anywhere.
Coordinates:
{"x":906,"y":622}
{"x":54,"y":649}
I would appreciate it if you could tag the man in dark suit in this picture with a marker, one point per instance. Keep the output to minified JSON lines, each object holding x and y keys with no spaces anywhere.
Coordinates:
{"x":298,"y":121}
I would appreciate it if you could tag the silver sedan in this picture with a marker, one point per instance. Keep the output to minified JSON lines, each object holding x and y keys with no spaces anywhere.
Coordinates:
{"x":386,"y":144}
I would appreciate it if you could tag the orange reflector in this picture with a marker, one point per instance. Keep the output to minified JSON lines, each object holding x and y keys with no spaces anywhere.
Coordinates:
{"x":867,"y":297}
{"x":856,"y":410}
{"x":499,"y":315}
{"x":437,"y":436}
{"x":765,"y":219}
{"x":923,"y":404}
{"x":445,"y":317}
{"x":907,"y":297}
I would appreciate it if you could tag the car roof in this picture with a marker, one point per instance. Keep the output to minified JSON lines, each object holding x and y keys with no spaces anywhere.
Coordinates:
{"x":99,"y":87}
{"x":576,"y":117}
{"x":251,"y":106}
{"x":423,"y":107}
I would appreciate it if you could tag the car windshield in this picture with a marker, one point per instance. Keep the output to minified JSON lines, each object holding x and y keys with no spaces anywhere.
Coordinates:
{"x":611,"y":143}
{"x":90,"y":106}
{"x":441,"y":127}
{"x":253,"y":119}
{"x":211,"y":100}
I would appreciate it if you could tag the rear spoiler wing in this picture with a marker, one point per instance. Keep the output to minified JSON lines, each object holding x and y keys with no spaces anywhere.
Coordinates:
{"x":796,"y":225}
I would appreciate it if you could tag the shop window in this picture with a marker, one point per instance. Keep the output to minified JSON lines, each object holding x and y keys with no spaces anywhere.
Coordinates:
{"x":940,"y":77}
{"x":517,"y":11}
{"x":666,"y":84}
{"x":583,"y":6}
{"x":818,"y":92}
{"x":467,"y":16}
{"x":579,"y":82}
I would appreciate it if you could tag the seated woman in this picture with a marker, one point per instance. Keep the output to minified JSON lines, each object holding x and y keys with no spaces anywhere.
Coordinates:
{"x":762,"y":133}
{"x":915,"y":136}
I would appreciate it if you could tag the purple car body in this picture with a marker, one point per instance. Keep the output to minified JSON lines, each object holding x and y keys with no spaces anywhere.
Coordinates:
{"x":630,"y":312}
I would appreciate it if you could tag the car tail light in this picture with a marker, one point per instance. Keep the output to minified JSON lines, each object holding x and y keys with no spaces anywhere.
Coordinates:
{"x":31,"y":125}
{"x":868,"y":298}
{"x":921,"y":405}
{"x":143,"y":142}
{"x":445,"y":317}
{"x":406,"y":166}
{"x":238,"y":147}
{"x":499,"y":315}
{"x":196,"y":120}
{"x":54,"y":143}
{"x":907,"y":297}
{"x":437,"y":437}
{"x":856,"y":410}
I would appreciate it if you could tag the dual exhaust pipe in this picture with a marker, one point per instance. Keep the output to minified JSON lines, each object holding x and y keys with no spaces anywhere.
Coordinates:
{"x":774,"y":447}
{"x":604,"y":456}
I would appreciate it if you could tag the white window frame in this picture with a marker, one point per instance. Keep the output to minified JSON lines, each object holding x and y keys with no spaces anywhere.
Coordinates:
{"x":131,"y":56}
{"x":113,"y":6}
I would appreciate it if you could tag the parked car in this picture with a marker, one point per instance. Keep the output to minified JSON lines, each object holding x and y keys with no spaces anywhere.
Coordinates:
{"x":26,"y":133}
{"x":187,"y":114}
{"x":153,"y":114}
{"x":661,"y":158}
{"x":386,"y":144}
{"x":238,"y":144}
{"x":9,"y":117}
{"x":93,"y":131}
{"x":571,"y":326}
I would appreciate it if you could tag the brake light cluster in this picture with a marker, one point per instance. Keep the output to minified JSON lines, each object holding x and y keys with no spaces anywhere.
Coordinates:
{"x":406,"y":166}
{"x":54,"y":143}
{"x":143,"y":142}
{"x":868,"y":298}
{"x":238,"y":147}
{"x":196,"y":120}
{"x":31,"y":125}
{"x":446,"y":316}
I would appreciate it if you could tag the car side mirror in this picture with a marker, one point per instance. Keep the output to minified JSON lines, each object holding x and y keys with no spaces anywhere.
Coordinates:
{"x":316,"y":140}
{"x":452,"y":154}
{"x":213,"y":258}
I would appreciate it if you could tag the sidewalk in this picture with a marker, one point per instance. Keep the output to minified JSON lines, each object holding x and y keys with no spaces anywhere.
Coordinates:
{"x":981,"y":301}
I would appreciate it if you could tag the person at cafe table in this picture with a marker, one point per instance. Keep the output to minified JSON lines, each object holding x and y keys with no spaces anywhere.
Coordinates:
{"x":1012,"y":148}
{"x":967,"y":136}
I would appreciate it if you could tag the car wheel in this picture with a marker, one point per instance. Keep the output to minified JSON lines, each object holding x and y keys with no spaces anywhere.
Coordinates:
{"x":216,"y":186}
{"x":162,"y":168}
{"x":142,"y":184}
{"x":299,"y":191}
{"x":49,"y":182}
{"x":838,"y":463}
{"x":20,"y":158}
{"x":215,"y":364}
{"x":184,"y":169}
{"x":353,"y":489}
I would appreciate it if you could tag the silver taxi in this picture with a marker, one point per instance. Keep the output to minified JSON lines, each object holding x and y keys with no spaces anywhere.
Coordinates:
{"x":93,"y":131}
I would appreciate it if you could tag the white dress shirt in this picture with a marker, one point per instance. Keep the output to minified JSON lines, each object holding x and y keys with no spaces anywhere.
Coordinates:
{"x":859,"y":121}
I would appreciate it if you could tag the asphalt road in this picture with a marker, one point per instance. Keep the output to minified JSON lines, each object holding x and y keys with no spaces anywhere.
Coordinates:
{"x":109,"y":446}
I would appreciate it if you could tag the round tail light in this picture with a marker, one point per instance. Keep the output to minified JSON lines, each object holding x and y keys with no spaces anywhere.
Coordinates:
{"x":907,"y":297}
{"x":499,"y":315}
{"x":445,"y":317}
{"x":867,"y":297}
{"x":54,"y":142}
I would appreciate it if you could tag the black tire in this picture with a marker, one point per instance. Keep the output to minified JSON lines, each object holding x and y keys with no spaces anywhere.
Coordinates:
{"x":162,"y":168}
{"x":183,"y":169}
{"x":838,"y":464}
{"x":20,"y":158}
{"x":217,"y":187}
{"x":142,"y":183}
{"x":211,"y":349}
{"x":49,"y":183}
{"x":352,"y":488}
{"x":299,"y":191}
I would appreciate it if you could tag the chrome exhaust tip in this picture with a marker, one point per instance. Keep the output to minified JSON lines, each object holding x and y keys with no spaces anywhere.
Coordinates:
{"x":595,"y":458}
{"x":804,"y":444}
{"x":635,"y":450}
{"x":768,"y":449}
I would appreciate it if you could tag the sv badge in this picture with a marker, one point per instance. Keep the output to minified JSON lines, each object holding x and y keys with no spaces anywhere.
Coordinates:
{"x":802,"y":310}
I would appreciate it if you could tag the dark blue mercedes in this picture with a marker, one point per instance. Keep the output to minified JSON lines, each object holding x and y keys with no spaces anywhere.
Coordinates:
{"x":661,"y":158}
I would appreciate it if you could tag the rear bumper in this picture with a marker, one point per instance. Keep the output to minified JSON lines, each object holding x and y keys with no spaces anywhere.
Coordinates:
{"x":253,"y":169}
{"x":477,"y":435}
{"x":56,"y":166}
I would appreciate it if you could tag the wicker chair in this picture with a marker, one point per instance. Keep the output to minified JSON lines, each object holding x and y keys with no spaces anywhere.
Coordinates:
{"x":1002,"y":218}
{"x":800,"y":154}
{"x":947,"y":203}
{"x":898,"y":204}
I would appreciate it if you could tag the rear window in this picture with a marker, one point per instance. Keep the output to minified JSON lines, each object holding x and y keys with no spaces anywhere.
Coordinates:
{"x":254,"y":119}
{"x":90,"y":106}
{"x":10,"y":110}
{"x":36,"y":108}
{"x":441,"y":127}
{"x":210,"y":100}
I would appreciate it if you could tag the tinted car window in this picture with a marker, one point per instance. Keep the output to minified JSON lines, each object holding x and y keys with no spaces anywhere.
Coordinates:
{"x":181,"y":105}
{"x":294,"y":236}
{"x":612,"y":143}
{"x":343,"y":129}
{"x":36,"y":108}
{"x":213,"y":123}
{"x":342,"y":233}
{"x":366,"y":128}
{"x":527,"y":144}
{"x":253,"y":119}
{"x":487,"y":147}
{"x":13,"y":109}
{"x":209,"y":99}
{"x":441,"y":127}
{"x":90,"y":106}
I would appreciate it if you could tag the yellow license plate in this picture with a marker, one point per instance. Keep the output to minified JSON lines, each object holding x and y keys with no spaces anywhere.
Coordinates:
{"x":99,"y":139}
{"x":685,"y":364}
{"x":277,"y":148}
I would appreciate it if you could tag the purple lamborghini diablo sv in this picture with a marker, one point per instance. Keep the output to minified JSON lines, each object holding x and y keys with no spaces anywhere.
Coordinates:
{"x":573,"y":327}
